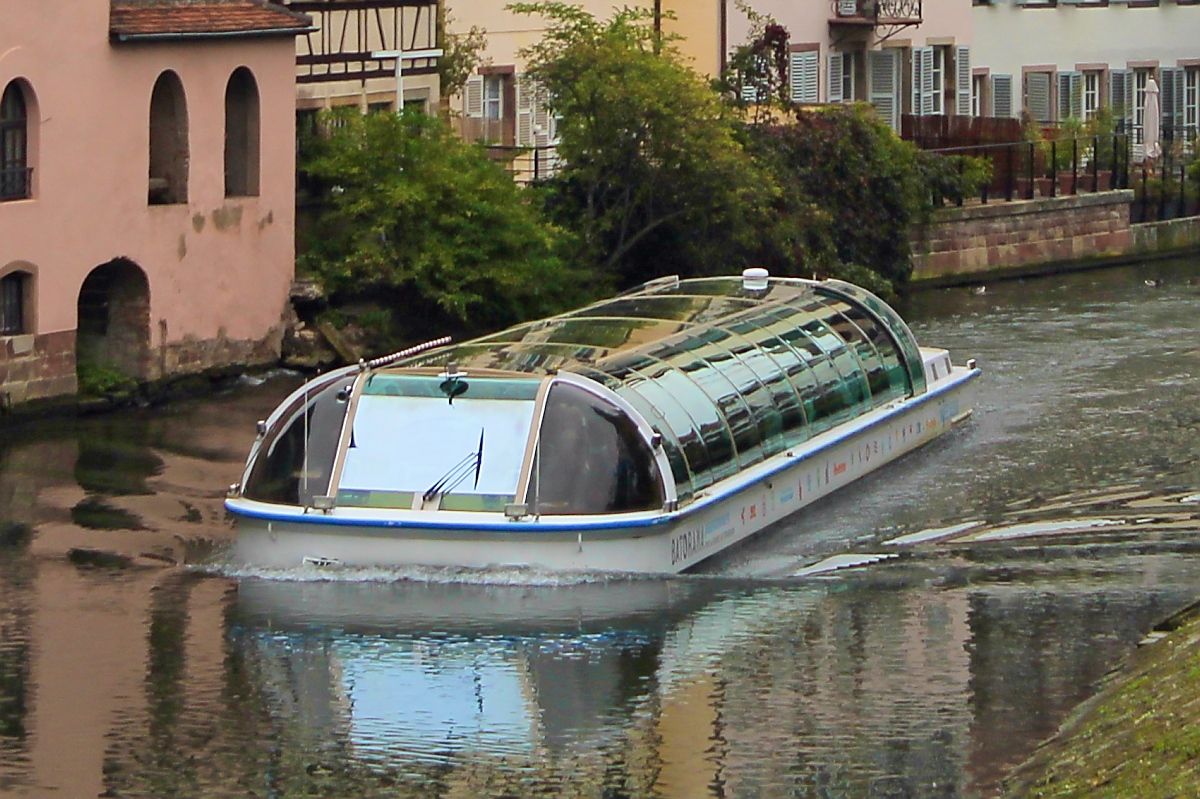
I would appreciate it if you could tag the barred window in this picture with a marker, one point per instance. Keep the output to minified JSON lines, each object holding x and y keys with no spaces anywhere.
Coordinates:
{"x":12,"y":303}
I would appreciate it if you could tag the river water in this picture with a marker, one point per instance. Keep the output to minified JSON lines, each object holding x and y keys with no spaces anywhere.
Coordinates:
{"x":1005,"y":570}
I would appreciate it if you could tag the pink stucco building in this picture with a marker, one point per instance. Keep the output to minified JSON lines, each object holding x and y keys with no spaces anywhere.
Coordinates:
{"x":147,"y":155}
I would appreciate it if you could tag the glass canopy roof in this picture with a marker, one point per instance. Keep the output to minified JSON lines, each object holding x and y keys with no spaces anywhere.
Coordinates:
{"x":728,"y":375}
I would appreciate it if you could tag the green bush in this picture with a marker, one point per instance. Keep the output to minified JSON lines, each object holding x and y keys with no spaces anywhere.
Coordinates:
{"x":854,"y":186}
{"x":953,"y":178}
{"x":414,"y":216}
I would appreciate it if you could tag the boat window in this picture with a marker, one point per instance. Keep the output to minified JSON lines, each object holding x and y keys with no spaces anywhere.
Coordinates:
{"x":780,"y":362}
{"x":879,"y":354}
{"x":845,"y":319}
{"x":831,"y":402}
{"x":295,"y":459}
{"x":681,"y":309}
{"x":727,"y":381}
{"x":681,"y":439}
{"x":684,"y":443}
{"x":706,"y":440}
{"x":816,"y":324}
{"x":591,"y":459}
{"x":418,"y":442}
{"x":771,"y":396}
{"x":713,"y":401}
{"x":903,"y":337}
{"x":381,"y":384}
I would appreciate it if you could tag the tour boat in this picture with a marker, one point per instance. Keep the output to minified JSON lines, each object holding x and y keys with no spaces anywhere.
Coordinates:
{"x":644,"y":433}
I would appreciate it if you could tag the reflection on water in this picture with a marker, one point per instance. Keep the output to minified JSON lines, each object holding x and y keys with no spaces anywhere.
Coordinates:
{"x":1027,"y":553}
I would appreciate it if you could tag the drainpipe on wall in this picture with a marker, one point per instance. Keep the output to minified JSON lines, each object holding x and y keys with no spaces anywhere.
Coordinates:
{"x":724,"y":34}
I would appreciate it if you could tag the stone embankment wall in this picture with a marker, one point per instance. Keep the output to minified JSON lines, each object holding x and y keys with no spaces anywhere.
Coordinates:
{"x":43,"y":366}
{"x":36,"y":366}
{"x":966,"y":242}
{"x":1048,"y":234}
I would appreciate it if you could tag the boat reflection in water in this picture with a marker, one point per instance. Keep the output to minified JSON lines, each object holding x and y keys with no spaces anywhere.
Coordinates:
{"x":415,"y":671}
{"x":644,"y":433}
{"x":659,"y":688}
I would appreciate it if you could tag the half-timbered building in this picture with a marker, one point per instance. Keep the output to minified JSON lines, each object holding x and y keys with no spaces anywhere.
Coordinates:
{"x":349,"y":55}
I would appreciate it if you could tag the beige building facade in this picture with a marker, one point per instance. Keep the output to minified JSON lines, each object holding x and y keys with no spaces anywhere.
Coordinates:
{"x":901,"y":56}
{"x":146,"y":188}
{"x":497,"y":105}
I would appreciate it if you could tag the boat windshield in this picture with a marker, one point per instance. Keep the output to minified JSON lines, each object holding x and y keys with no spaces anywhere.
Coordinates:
{"x":454,"y":443}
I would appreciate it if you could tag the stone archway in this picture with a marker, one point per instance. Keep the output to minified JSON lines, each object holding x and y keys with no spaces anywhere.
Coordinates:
{"x":113,"y":330}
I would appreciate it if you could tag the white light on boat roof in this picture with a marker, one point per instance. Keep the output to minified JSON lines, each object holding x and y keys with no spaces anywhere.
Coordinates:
{"x":755,"y":278}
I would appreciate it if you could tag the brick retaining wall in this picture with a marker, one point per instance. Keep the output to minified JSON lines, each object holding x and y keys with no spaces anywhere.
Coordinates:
{"x":36,"y":366}
{"x":1015,"y":236}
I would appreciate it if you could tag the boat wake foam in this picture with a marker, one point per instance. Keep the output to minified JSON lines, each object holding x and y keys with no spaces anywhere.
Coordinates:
{"x":440,"y":575}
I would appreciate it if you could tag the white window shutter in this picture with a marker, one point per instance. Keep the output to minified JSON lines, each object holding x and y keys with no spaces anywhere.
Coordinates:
{"x":1180,"y":78}
{"x":473,"y":102}
{"x":922,"y":81}
{"x":1002,"y":95}
{"x":1037,"y":95}
{"x":962,"y":90}
{"x":833,"y":79}
{"x":916,"y":81}
{"x":541,"y":114}
{"x":847,"y":8}
{"x":526,"y":91}
{"x":794,"y":77}
{"x":883,"y":84}
{"x":804,"y":77}
{"x":927,"y":80}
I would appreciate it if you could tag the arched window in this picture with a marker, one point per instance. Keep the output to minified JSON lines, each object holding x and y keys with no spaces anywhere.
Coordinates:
{"x":14,"y":293}
{"x":168,"y":142}
{"x":241,"y":135}
{"x":14,"y":145}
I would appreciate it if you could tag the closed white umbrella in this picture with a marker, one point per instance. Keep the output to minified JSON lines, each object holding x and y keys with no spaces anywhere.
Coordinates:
{"x":1150,"y":122}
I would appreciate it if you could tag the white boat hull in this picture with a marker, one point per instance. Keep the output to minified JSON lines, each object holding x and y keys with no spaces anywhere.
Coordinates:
{"x":656,"y":542}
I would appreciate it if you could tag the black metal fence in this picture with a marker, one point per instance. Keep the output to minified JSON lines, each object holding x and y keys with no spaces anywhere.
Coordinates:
{"x":1165,"y":189}
{"x":1028,"y":169}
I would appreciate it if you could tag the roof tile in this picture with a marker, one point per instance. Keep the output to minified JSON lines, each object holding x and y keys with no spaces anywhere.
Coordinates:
{"x":133,"y":20}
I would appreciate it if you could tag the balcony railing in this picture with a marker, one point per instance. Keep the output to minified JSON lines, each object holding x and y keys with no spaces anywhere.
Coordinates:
{"x":877,"y":12}
{"x":527,"y":164}
{"x":16,"y":183}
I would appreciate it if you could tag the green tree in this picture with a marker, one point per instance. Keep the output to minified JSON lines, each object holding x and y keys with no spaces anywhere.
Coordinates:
{"x":654,"y":180}
{"x":413,"y":214}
